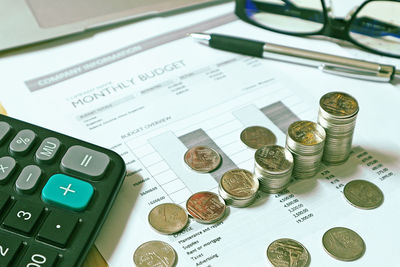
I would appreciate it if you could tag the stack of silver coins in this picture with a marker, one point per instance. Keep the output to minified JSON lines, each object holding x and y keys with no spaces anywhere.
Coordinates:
{"x":273,"y":167}
{"x":337,"y":115}
{"x":305,"y":140}
{"x":238,"y":187}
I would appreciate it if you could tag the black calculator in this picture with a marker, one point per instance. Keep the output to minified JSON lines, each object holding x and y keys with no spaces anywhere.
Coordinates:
{"x":55,"y":193}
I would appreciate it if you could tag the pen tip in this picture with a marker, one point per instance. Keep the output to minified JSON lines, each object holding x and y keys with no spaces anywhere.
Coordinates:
{"x":201,"y":37}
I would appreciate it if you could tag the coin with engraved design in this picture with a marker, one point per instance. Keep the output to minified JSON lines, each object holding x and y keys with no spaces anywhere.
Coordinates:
{"x":363,"y":194}
{"x":306,"y":133}
{"x":154,"y":253}
{"x":257,"y":136}
{"x":239,"y":183}
{"x":206,"y":207}
{"x":343,"y":244}
{"x":168,"y":218}
{"x":202,"y":159}
{"x":287,"y":252}
{"x":339,"y":104}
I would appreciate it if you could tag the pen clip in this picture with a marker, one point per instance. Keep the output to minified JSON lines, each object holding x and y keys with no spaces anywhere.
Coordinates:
{"x":354,"y":72}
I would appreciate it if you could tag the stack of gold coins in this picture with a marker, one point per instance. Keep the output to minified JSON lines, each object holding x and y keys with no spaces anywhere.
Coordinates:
{"x":238,"y":188}
{"x":305,"y":140}
{"x":273,"y":167}
{"x":337,"y":115}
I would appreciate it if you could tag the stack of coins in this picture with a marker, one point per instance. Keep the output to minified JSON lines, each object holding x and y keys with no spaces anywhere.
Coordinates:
{"x":273,"y":168}
{"x":238,"y":188}
{"x":337,"y":115}
{"x":305,"y":140}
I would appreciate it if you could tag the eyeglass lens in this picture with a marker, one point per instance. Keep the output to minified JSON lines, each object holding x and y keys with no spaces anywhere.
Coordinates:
{"x":375,"y":26}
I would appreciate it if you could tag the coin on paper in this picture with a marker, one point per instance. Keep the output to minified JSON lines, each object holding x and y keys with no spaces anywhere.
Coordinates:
{"x":168,"y":218}
{"x":239,"y":183}
{"x":287,"y":252}
{"x":306,"y":133}
{"x":343,"y":244}
{"x":363,"y":194}
{"x":206,"y":207}
{"x":339,"y":104}
{"x":202,"y":159}
{"x":154,"y":253}
{"x":257,"y":136}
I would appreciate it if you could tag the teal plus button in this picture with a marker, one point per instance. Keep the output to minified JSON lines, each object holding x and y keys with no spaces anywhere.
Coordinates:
{"x":68,"y":192}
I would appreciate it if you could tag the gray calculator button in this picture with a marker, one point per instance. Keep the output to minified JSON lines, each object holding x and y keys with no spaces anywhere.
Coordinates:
{"x":48,"y":150}
{"x":28,"y":179}
{"x":22,"y":142}
{"x":4,"y":129}
{"x":82,"y":160}
{"x":7,"y":165}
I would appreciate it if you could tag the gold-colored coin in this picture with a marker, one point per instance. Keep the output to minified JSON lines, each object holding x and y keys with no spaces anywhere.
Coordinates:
{"x":363,"y":194}
{"x":274,"y":159}
{"x":287,"y":252}
{"x":343,"y":244}
{"x":206,"y":207}
{"x":239,"y":183}
{"x":257,"y":136}
{"x":339,"y":104}
{"x":154,"y":253}
{"x":202,"y":159}
{"x":168,"y":218}
{"x":306,"y":133}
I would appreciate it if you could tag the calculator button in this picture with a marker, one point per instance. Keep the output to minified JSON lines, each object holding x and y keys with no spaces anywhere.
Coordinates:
{"x":58,"y":228}
{"x":48,"y":150}
{"x":4,"y":130}
{"x":67,"y":192}
{"x":23,"y":216}
{"x":38,"y":256}
{"x":28,"y":179}
{"x":7,"y":165}
{"x":3,"y":200}
{"x":81,"y":160}
{"x":22,"y":142}
{"x":9,"y":246}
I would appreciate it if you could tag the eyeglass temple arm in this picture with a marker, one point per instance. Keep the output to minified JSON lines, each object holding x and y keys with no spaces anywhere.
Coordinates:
{"x":289,"y":10}
{"x":372,"y":27}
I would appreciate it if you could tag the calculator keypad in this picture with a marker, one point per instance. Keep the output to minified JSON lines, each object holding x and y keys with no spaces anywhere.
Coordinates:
{"x":55,"y":192}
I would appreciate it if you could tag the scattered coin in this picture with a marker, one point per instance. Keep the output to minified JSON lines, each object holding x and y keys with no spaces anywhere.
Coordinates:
{"x":206,"y":207}
{"x":287,"y":252}
{"x":154,"y":253}
{"x":202,"y":159}
{"x":363,"y":194}
{"x":238,"y":187}
{"x":343,"y":244}
{"x":339,"y":104}
{"x":257,"y":136}
{"x":168,"y":218}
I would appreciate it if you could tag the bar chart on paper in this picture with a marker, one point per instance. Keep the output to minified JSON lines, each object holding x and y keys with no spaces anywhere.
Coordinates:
{"x":162,"y":153}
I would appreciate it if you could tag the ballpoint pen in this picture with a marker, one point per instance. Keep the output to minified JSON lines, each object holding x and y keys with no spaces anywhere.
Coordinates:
{"x":332,"y":64}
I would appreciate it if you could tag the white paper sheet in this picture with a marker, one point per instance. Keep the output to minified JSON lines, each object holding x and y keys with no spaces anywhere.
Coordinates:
{"x":151,"y":106}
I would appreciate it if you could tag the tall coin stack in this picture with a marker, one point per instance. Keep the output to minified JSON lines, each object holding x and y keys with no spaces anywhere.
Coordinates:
{"x":273,"y":167}
{"x":305,"y":140}
{"x":337,"y":115}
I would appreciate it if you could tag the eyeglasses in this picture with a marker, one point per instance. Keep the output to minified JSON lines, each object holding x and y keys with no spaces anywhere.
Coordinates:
{"x":374,"y":26}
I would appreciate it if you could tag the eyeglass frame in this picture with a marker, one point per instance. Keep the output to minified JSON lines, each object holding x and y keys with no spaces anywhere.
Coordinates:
{"x":337,"y":28}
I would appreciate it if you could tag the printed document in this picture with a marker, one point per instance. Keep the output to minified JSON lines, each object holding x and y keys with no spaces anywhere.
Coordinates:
{"x":152,"y":97}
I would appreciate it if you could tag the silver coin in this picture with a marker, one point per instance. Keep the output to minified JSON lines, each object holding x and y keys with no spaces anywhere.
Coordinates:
{"x":168,"y":218}
{"x":202,"y":159}
{"x":154,"y":253}
{"x":287,"y":252}
{"x":363,"y":194}
{"x":343,"y":244}
{"x":257,"y":136}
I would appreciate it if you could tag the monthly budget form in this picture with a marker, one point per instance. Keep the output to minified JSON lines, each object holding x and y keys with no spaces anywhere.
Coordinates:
{"x":153,"y":98}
